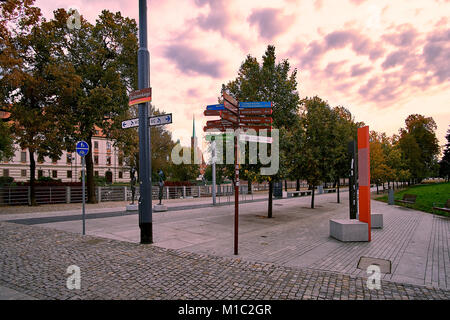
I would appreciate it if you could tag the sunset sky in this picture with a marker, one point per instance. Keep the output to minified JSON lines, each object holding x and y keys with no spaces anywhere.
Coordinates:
{"x":381,"y":59}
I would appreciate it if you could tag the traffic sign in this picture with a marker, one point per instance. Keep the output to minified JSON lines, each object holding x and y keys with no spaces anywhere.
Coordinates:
{"x":255,"y":104}
{"x":130,"y":123}
{"x":229,"y":117}
{"x":255,"y":112}
{"x":82,"y":148}
{"x":255,"y":120}
{"x":140,"y":96}
{"x":230,"y":99}
{"x":228,"y":106}
{"x":153,"y":121}
{"x":160,"y":120}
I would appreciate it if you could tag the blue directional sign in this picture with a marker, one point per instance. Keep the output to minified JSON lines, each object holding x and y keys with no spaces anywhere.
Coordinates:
{"x":160,"y":120}
{"x":244,"y":105}
{"x":82,"y":148}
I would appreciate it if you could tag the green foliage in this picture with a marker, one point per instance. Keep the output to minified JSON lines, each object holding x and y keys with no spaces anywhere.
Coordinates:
{"x":4,"y":181}
{"x":427,"y":196}
{"x":6,"y":142}
{"x":444,"y":164}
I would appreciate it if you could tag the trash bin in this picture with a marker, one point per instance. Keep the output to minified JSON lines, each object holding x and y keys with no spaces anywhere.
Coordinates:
{"x":278,"y":189}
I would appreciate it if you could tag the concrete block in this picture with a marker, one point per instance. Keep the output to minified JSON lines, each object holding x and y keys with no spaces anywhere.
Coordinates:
{"x":349,"y":230}
{"x":376,"y":221}
{"x":132,"y":207}
{"x":159,"y":208}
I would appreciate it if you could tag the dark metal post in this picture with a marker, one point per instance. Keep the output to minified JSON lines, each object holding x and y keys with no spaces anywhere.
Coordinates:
{"x":353,"y":191}
{"x":83,"y":190}
{"x":236,"y":194}
{"x":145,"y":183}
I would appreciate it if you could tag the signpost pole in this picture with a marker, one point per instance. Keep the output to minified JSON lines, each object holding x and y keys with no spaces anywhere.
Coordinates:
{"x":82,"y":190}
{"x":213,"y":164}
{"x":145,"y":203}
{"x":236,"y":196}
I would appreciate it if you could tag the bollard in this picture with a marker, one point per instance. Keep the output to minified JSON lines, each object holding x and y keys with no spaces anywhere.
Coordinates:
{"x":67,"y":194}
{"x":391,"y":196}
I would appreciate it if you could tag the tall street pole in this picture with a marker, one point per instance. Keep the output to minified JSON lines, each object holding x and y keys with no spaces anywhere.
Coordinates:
{"x":213,"y":164}
{"x":145,"y":183}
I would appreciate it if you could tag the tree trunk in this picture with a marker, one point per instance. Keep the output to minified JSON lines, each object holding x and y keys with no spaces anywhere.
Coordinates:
{"x":32,"y":178}
{"x":298,"y":185}
{"x":338,"y":195}
{"x":249,"y":187}
{"x":377,"y":188}
{"x":312,"y":196}
{"x":269,"y":211}
{"x":285,"y":185}
{"x":90,"y":173}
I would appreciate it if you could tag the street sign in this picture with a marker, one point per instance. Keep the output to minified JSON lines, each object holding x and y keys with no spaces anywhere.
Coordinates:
{"x":251,"y":138}
{"x":130,"y":123}
{"x":160,"y":120}
{"x":82,"y":148}
{"x":232,"y":118}
{"x":255,"y":104}
{"x":140,"y":96}
{"x":255,"y":120}
{"x":215,"y":107}
{"x":254,"y":112}
{"x":153,"y":121}
{"x":228,"y":106}
{"x":230,"y":99}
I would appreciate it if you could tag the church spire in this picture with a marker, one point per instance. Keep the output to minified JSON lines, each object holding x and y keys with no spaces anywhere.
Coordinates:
{"x":193,"y":126}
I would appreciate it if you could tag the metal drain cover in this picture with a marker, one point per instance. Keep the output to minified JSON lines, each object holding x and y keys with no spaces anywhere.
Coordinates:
{"x":385,"y":265}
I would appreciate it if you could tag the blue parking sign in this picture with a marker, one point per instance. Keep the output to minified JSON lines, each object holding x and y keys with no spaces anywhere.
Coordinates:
{"x":82,"y":148}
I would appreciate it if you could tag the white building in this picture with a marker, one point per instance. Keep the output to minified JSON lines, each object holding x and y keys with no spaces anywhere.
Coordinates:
{"x":108,"y":162}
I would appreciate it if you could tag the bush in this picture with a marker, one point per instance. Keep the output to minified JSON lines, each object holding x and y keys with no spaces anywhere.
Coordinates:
{"x":48,"y":179}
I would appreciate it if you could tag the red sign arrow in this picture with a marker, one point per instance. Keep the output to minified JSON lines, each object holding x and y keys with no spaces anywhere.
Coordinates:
{"x":230,"y":99}
{"x":229,"y":117}
{"x":230,"y":107}
{"x":255,"y":111}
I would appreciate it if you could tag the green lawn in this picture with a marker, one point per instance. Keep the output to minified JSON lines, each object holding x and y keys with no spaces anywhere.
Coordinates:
{"x":426,"y":196}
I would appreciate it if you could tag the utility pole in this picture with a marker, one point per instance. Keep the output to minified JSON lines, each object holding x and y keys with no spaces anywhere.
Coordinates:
{"x":213,"y":165}
{"x":145,"y":183}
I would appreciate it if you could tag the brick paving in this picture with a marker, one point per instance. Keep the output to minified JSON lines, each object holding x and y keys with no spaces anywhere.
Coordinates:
{"x":33,"y":261}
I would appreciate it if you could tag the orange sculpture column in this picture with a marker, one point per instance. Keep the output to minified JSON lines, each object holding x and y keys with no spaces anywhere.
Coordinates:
{"x":364,"y":176}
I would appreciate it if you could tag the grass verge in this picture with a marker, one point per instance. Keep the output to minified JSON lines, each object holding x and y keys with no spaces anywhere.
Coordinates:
{"x":427,"y":195}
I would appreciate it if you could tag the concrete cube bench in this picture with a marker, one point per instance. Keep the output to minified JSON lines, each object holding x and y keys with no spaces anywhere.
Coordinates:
{"x":376,"y":221}
{"x":349,"y":230}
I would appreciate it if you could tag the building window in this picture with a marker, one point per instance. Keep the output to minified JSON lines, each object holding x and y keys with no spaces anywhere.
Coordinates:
{"x":120,"y":175}
{"x":40,"y":174}
{"x":96,"y":145}
{"x":23,"y":156}
{"x":54,"y":174}
{"x":120,"y":160}
{"x":108,"y":160}
{"x":96,"y":173}
{"x":108,"y":146}
{"x":23,"y":173}
{"x":6,"y":172}
{"x":95,"y":159}
{"x":69,"y":158}
{"x":69,"y":174}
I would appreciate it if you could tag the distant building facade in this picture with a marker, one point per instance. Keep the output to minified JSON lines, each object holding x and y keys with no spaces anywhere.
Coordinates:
{"x":108,"y":162}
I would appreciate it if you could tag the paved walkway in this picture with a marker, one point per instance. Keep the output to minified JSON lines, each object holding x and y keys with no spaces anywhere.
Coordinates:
{"x":34,"y":262}
{"x":296,"y":239}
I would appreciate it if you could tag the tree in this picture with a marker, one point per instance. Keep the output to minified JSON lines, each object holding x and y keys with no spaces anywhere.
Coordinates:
{"x":34,"y":81}
{"x":270,"y":81}
{"x":378,"y":167}
{"x":318,"y":123}
{"x":444,"y":164}
{"x":419,"y":145}
{"x":6,"y":142}
{"x":103,"y":56}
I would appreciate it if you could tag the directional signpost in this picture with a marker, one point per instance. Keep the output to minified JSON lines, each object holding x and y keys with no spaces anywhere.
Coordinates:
{"x":82,"y":149}
{"x":153,"y":121}
{"x":239,"y":115}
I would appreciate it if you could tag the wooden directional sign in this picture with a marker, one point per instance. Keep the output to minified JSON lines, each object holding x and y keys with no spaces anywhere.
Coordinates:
{"x":230,"y":107}
{"x":140,"y":96}
{"x":230,"y":99}
{"x":219,"y":123}
{"x":229,"y":117}
{"x":255,"y":112}
{"x":255,"y":120}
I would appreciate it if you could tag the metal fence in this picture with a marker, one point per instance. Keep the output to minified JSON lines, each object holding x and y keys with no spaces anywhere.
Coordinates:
{"x":20,"y":195}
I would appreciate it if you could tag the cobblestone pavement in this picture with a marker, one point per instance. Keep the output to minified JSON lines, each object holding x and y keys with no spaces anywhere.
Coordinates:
{"x":34,"y":260}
